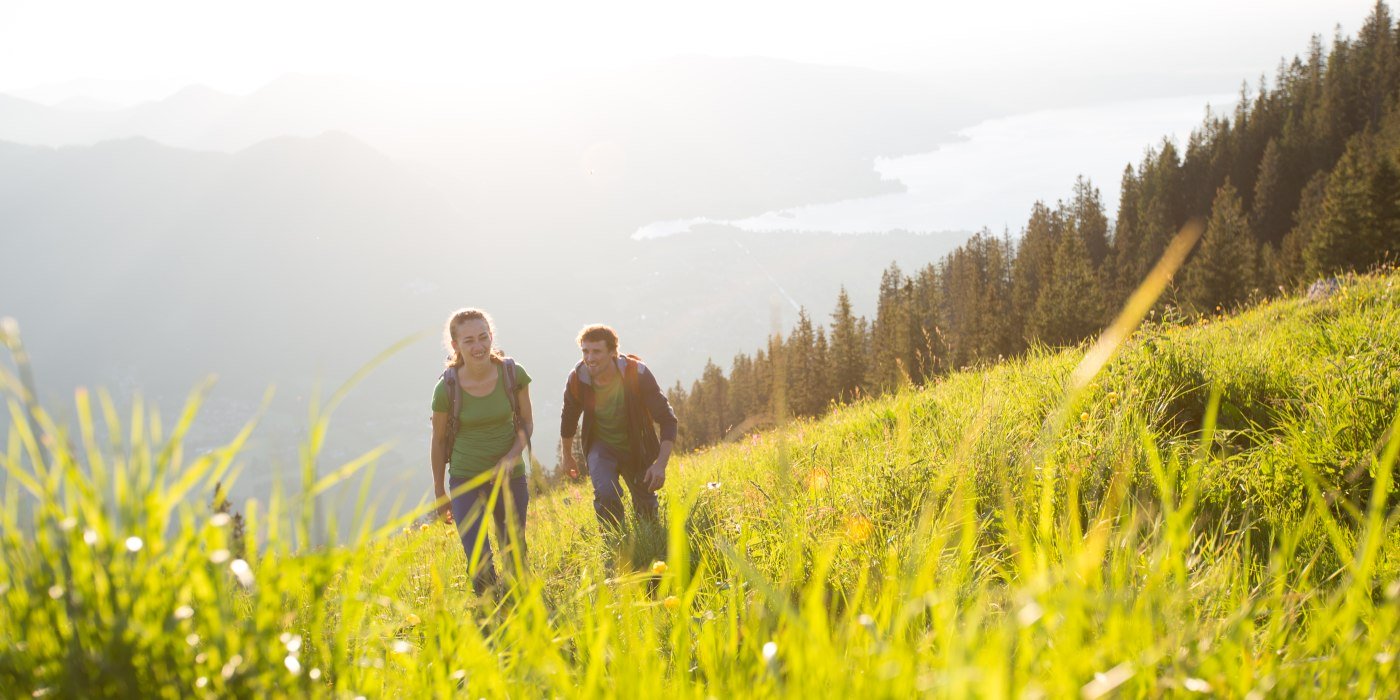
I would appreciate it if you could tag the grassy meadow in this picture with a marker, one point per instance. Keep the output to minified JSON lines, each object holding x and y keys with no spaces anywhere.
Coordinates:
{"x":1212,"y":513}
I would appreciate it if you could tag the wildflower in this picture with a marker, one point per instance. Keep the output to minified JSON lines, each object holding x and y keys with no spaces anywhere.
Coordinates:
{"x":242,"y":572}
{"x":219,"y":556}
{"x":713,"y":486}
{"x":858,"y":528}
{"x":671,"y":602}
{"x":184,"y":612}
{"x":1084,"y":417}
{"x":315,"y":674}
{"x":220,"y":520}
{"x":68,"y":524}
{"x":90,"y":537}
{"x":401,"y":647}
{"x":1196,"y":685}
{"x":231,"y":667}
{"x":294,"y":643}
{"x":1105,"y":682}
{"x":423,"y":527}
{"x":413,"y":620}
{"x":1029,"y":613}
{"x":134,"y":544}
{"x":293,"y":665}
{"x":192,"y":639}
{"x":770,"y":650}
{"x":658,"y":567}
{"x":56,"y":592}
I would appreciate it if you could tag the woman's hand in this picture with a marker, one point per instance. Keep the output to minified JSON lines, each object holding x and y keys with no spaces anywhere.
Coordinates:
{"x":509,"y":460}
{"x":444,"y":509}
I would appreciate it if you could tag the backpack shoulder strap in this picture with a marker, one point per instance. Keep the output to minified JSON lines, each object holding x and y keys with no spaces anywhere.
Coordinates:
{"x":511,"y":375}
{"x":508,"y":373}
{"x":449,"y":378}
{"x":632,"y":374}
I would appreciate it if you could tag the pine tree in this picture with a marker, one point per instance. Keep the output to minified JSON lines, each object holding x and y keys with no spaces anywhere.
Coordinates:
{"x":820,"y":373}
{"x":1035,"y":261}
{"x":680,"y":403}
{"x":804,"y":369}
{"x":1068,"y":309}
{"x":1348,"y":233}
{"x":743,"y":389}
{"x":714,"y":412}
{"x":890,"y":336}
{"x":1223,"y":270}
{"x":930,"y":352}
{"x":848,"y":356}
{"x":1085,"y":215}
{"x":1269,"y":219}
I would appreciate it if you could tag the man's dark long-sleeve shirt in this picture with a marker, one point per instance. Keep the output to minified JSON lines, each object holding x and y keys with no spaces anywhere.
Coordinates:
{"x":644,"y":403}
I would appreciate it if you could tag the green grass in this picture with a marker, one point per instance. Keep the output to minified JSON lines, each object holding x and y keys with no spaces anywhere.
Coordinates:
{"x":1213,"y":513}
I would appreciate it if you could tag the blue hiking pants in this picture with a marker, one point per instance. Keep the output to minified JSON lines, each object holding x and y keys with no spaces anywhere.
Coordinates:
{"x":469,"y":510}
{"x":607,"y":478}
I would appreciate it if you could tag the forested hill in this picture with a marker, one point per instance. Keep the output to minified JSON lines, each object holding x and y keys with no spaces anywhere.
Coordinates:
{"x":1300,"y":182}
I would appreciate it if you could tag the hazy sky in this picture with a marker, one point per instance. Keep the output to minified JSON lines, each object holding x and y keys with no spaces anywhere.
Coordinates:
{"x":238,"y":46}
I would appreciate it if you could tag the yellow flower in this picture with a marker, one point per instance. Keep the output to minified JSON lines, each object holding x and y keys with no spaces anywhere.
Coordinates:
{"x":671,"y":602}
{"x":1084,"y":417}
{"x":658,"y":567}
{"x":413,"y":620}
{"x":859,"y":528}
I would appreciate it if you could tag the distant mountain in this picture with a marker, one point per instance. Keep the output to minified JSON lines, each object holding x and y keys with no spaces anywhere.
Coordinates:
{"x":598,"y":154}
{"x":297,"y":260}
{"x":249,"y":249}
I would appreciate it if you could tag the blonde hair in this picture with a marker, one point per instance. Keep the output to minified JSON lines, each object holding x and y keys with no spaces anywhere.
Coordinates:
{"x":458,"y":317}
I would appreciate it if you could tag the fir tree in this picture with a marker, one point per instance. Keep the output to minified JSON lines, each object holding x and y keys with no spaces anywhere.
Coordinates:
{"x":848,"y":355}
{"x":890,"y":336}
{"x":1068,"y":309}
{"x":1223,"y":270}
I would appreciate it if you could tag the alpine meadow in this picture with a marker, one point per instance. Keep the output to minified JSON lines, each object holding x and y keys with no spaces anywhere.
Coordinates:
{"x":1143,"y":452}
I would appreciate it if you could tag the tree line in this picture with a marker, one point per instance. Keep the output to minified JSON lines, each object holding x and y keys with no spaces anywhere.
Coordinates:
{"x":1300,"y":181}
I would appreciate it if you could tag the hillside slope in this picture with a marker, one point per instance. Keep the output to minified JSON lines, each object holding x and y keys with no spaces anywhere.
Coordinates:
{"x":982,"y":536}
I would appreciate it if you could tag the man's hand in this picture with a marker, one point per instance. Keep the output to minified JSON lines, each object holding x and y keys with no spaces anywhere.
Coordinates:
{"x":444,"y":509}
{"x":655,"y":477}
{"x":570,"y":465}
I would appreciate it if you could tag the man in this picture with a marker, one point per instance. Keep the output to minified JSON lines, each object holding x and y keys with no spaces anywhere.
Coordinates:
{"x":619,"y":400}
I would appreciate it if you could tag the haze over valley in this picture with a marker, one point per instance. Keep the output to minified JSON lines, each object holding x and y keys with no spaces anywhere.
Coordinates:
{"x":286,"y":235}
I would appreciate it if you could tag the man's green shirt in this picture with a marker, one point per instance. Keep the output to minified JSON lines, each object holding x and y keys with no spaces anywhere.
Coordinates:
{"x":610,"y":415}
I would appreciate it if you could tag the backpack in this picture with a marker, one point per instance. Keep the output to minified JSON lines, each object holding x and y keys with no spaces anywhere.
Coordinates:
{"x":631,"y":381}
{"x":454,"y":418}
{"x":631,"y":384}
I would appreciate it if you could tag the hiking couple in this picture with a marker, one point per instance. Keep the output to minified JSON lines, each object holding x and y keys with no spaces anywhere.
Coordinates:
{"x":482,"y":423}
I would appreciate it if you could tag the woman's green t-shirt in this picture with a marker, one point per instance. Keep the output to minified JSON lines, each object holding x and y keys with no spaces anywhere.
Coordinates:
{"x":486,"y":428}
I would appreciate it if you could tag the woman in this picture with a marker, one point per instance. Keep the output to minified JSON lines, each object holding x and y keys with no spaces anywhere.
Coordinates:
{"x":491,"y":432}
